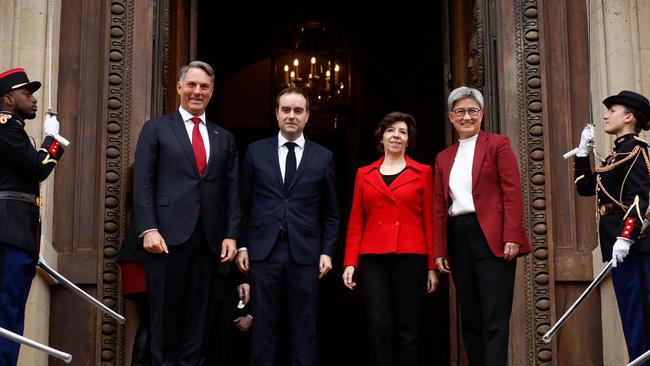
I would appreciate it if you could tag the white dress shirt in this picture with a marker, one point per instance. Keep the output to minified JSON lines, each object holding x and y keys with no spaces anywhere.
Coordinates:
{"x":203,"y":129}
{"x":460,"y":178}
{"x":283,"y":151}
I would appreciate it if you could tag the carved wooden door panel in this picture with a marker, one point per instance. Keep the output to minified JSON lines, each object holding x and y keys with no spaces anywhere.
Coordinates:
{"x":530,"y":59}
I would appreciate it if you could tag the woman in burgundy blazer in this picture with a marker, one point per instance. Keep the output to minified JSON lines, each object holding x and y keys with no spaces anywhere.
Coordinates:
{"x":389,"y":242}
{"x":478,"y":225}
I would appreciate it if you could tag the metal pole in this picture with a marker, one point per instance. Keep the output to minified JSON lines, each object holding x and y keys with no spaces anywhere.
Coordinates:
{"x":80,"y":292}
{"x":640,"y":360}
{"x":66,"y":357}
{"x":547,"y":337}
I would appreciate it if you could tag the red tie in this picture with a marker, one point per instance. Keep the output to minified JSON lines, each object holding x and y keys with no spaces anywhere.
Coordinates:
{"x":197,"y":146}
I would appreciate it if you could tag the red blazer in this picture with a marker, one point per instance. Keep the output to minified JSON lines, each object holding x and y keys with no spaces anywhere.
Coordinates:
{"x":395,"y":219}
{"x":496,"y":187}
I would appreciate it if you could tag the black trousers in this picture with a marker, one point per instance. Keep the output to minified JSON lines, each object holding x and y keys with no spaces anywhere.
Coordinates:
{"x":275,"y":281}
{"x":180,"y":288}
{"x":393,"y":287}
{"x":485,"y":284}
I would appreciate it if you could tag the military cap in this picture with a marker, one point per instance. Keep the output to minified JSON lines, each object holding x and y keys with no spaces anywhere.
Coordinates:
{"x":15,"y":79}
{"x":632,"y":100}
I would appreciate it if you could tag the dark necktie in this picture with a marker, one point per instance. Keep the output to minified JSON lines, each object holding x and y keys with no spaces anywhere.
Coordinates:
{"x":290,"y":166}
{"x":198,"y":147}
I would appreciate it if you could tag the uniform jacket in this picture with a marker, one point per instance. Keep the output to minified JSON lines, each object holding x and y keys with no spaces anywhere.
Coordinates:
{"x":169,"y":194}
{"x":310,"y":203}
{"x":496,"y":188}
{"x":621,"y":183}
{"x":391,"y":219}
{"x":22,"y":167}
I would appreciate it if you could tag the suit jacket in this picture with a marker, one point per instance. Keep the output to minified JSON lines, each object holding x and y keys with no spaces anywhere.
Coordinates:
{"x":310,"y":203}
{"x":169,"y":194}
{"x":496,"y":188}
{"x":391,"y":219}
{"x":22,"y":167}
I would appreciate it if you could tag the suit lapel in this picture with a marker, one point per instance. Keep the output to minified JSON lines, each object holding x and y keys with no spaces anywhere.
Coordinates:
{"x":479,"y":154}
{"x":373,"y":177}
{"x":272,"y":153}
{"x":178,"y":127}
{"x":447,"y":162}
{"x":409,"y":174}
{"x":213,"y":136}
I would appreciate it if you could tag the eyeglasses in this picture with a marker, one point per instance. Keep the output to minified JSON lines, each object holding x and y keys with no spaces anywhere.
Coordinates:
{"x":473,"y":112}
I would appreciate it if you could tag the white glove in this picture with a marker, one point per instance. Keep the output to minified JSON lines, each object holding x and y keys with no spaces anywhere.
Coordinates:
{"x":51,"y":125}
{"x":586,"y":138}
{"x":620,"y":250}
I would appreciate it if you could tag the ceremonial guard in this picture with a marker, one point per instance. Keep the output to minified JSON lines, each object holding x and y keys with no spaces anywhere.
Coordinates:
{"x":22,"y":167}
{"x":621,"y":184}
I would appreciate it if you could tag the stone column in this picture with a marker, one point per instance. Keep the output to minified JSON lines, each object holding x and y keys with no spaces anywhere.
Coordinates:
{"x":29,"y":38}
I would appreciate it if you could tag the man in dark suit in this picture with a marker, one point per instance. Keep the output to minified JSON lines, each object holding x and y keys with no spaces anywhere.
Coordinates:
{"x":291,"y":220}
{"x":22,"y":167}
{"x":187,"y":211}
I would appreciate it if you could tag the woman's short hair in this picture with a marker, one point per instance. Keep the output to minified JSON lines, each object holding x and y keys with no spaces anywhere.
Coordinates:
{"x":463,"y":92}
{"x":388,"y":121}
{"x":642,"y":122}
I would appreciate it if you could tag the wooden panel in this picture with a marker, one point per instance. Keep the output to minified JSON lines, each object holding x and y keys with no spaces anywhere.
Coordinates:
{"x":72,"y":326}
{"x":521,"y":118}
{"x":179,"y":47}
{"x":573,"y":266}
{"x":96,"y":89}
{"x":77,"y":203}
{"x":579,"y":342}
{"x":571,"y":223}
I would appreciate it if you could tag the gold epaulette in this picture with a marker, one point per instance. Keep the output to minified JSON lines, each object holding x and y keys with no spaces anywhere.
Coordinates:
{"x":641,"y":140}
{"x":4,"y":118}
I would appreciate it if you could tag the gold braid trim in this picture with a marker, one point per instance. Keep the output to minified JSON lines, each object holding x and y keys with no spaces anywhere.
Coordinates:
{"x":647,"y":161}
{"x":577,"y":179}
{"x":620,"y":196}
{"x":634,"y":205}
{"x":608,"y":167}
{"x":47,"y":160}
{"x":600,"y":187}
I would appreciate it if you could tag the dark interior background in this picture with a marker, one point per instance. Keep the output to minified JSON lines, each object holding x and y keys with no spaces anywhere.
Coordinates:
{"x":397,"y":62}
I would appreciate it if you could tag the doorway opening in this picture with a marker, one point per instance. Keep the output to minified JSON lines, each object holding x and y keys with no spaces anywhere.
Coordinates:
{"x":397,"y":60}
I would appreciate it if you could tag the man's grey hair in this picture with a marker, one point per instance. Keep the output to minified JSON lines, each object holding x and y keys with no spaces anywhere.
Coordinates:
{"x":464,"y":92}
{"x":196,"y":65}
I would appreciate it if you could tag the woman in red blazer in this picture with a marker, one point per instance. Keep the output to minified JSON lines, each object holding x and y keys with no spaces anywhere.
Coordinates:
{"x":478,"y":225}
{"x":389,"y":241}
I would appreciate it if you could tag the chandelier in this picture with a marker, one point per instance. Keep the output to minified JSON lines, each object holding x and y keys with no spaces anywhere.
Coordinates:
{"x":316,"y":58}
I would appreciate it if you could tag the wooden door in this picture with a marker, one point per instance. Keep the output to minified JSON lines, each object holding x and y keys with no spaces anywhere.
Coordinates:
{"x":530,"y":59}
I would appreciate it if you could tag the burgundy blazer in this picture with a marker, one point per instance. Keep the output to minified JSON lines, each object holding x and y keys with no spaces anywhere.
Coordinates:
{"x":391,"y":219}
{"x":496,"y":188}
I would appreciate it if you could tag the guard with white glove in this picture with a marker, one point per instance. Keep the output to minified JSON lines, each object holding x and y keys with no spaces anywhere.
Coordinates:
{"x":51,"y":125}
{"x":621,"y":250}
{"x":586,"y":139}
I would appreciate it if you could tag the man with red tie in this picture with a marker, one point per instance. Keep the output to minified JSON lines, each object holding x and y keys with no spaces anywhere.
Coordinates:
{"x":186,"y":206}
